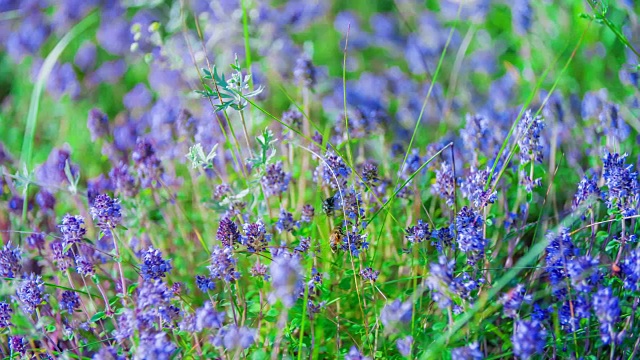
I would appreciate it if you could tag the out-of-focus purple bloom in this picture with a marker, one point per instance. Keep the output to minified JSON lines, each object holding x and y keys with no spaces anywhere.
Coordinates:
{"x":445,"y":184}
{"x":307,"y":213}
{"x":69,"y":301}
{"x":98,"y":124}
{"x":84,"y":266}
{"x":631,"y":270}
{"x":529,"y":338}
{"x":396,"y":312}
{"x":559,"y":252}
{"x":114,"y":36}
{"x":154,"y":266}
{"x":470,"y":239}
{"x":10,"y":261}
{"x":275,"y":181}
{"x":355,"y":354}
{"x":5,"y":315}
{"x":123,"y":180}
{"x":607,"y":310}
{"x":443,"y":285}
{"x":255,"y":236}
{"x":106,"y":211}
{"x":623,"y":191}
{"x":469,"y":352}
{"x":205,"y":283}
{"x":418,"y":233}
{"x":155,"y":345}
{"x":333,"y":171}
{"x":232,"y":337}
{"x":72,"y":229}
{"x":147,"y":163}
{"x":512,"y":300}
{"x":28,"y":38}
{"x":52,"y":172}
{"x":138,"y":98}
{"x":223,"y":264}
{"x":522,"y":16}
{"x":109,"y":72}
{"x":30,"y":293}
{"x":221,"y":191}
{"x":369,"y":274}
{"x":63,"y":80}
{"x":207,"y":317}
{"x":153,"y":303}
{"x":404,"y":345}
{"x":45,"y":200}
{"x":286,"y":279}
{"x":85,"y":58}
{"x":228,"y":232}
{"x":583,"y":272}
{"x":304,"y":72}
{"x":286,"y":222}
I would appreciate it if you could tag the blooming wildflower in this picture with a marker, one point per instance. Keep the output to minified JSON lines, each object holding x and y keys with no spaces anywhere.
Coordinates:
{"x":572,"y":311}
{"x":418,"y":233}
{"x":540,"y":314}
{"x":588,"y":190}
{"x":155,"y":346}
{"x":260,"y":270}
{"x":293,"y":118}
{"x":18,"y":345}
{"x":123,"y":180}
{"x":476,"y":133}
{"x":631,"y":270}
{"x":153,"y":303}
{"x":84,"y":266}
{"x":59,"y":256}
{"x":188,"y":323}
{"x":333,"y":171}
{"x":396,"y":312}
{"x":307,"y":213}
{"x":127,"y":324}
{"x":147,"y":163}
{"x":352,"y":205}
{"x":5,"y":315}
{"x":235,"y":338}
{"x":607,"y":310}
{"x":286,"y":279}
{"x":10,"y":261}
{"x":404,"y":345}
{"x":255,"y":236}
{"x":107,"y":353}
{"x":355,"y":354}
{"x":205,"y":283}
{"x":354,"y":241}
{"x":30,"y":293}
{"x":473,"y":189}
{"x":221,"y":191}
{"x":285,"y":222}
{"x":443,"y":236}
{"x":275,"y":181}
{"x":583,"y":272}
{"x":369,"y":173}
{"x":559,"y":251}
{"x":512,"y":301}
{"x":228,"y":232}
{"x":469,"y":352}
{"x":154,"y":266}
{"x":369,"y":274}
{"x":442,"y":283}
{"x":413,"y":163}
{"x":45,"y":200}
{"x":445,"y":184}
{"x":98,"y":124}
{"x":529,"y":131}
{"x":72,"y":229}
{"x":470,"y":239}
{"x":304,"y":72}
{"x":69,"y":301}
{"x":223,"y":265}
{"x":622,"y":183}
{"x":207,"y":317}
{"x":529,"y":338}
{"x":106,"y":211}
{"x":522,"y":16}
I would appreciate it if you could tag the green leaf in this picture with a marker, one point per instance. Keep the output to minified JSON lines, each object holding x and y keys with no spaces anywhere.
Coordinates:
{"x":98,"y":316}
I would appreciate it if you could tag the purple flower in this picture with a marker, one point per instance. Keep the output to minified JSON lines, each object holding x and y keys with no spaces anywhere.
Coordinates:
{"x":260,"y":270}
{"x":106,"y":211}
{"x":293,"y":118}
{"x":470,"y":239}
{"x":307,"y":213}
{"x":355,"y":354}
{"x":623,"y":191}
{"x":333,"y":171}
{"x":559,"y":252}
{"x":304,"y":72}
{"x":207,"y":317}
{"x":473,"y":188}
{"x":59,"y":256}
{"x":607,"y":310}
{"x":221,"y":191}
{"x":369,"y":274}
{"x":155,"y":345}
{"x":396,"y":312}
{"x":522,"y":16}
{"x":228,"y":232}
{"x":255,"y":236}
{"x":588,"y":191}
{"x":84,"y":266}
{"x":10,"y":261}
{"x":369,"y":173}
{"x":529,"y":338}
{"x":445,"y":184}
{"x":529,"y":132}
{"x":98,"y":124}
{"x":45,"y":200}
{"x":404,"y":345}
{"x":443,"y":285}
{"x":147,"y":163}
{"x":85,"y":58}
{"x":232,"y":337}
{"x":350,"y":202}
{"x":443,"y":237}
{"x":18,"y":345}
{"x":153,"y":303}
{"x":631,"y":270}
{"x":223,"y":264}
{"x":469,"y":352}
{"x":30,"y":293}
{"x":139,"y":97}
{"x":5,"y":315}
{"x":275,"y":181}
{"x":72,"y":229}
{"x":286,"y":279}
{"x":418,"y":233}
{"x":205,"y":283}
{"x":304,"y":246}
{"x":512,"y":301}
{"x":123,"y":180}
{"x":583,"y":272}
{"x":286,"y":222}
{"x":154,"y":266}
{"x":69,"y":301}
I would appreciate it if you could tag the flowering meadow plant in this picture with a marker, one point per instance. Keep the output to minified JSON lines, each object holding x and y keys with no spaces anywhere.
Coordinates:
{"x":242,"y":179}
